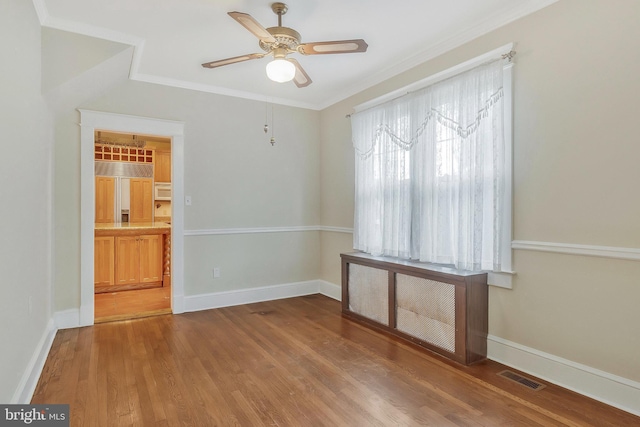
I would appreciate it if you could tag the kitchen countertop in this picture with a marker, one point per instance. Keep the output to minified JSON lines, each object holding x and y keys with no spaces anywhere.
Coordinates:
{"x":130,"y":229}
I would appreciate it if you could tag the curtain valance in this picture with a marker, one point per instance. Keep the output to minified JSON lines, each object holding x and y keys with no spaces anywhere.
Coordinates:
{"x":476,"y":91}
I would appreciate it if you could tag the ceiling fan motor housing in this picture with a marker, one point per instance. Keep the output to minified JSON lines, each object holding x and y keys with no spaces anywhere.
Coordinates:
{"x":286,"y":38}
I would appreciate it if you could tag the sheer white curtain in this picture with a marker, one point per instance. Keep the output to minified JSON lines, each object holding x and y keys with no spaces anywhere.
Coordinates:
{"x":430,"y":171}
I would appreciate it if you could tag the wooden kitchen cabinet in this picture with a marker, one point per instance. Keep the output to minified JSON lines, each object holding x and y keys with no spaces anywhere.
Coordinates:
{"x":138,"y":259}
{"x":127,"y":266}
{"x":141,"y":200}
{"x":105,"y":188}
{"x":162,"y":166}
{"x":150,"y":258}
{"x":104,"y":261}
{"x":110,"y":153}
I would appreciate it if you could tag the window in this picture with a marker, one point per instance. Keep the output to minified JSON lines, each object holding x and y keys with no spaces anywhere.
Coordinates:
{"x":433,"y":172}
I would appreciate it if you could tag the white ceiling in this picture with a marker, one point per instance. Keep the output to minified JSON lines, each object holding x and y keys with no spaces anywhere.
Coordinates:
{"x":173,"y":37}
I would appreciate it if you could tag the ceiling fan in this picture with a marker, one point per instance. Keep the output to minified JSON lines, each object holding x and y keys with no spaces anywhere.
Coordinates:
{"x":281,"y":41}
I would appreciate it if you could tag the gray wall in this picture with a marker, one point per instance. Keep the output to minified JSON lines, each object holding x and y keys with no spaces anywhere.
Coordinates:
{"x":235,"y":178}
{"x":25,"y":173}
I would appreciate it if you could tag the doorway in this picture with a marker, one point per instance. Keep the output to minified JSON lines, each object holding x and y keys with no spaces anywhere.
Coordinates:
{"x":91,"y":121}
{"x":132,"y":266}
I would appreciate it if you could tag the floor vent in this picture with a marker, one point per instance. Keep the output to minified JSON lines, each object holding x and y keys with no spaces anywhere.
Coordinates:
{"x":527,"y":382}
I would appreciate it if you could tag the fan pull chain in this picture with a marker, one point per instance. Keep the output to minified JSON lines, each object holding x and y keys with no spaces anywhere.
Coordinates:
{"x":273,"y":139}
{"x":266,"y":127}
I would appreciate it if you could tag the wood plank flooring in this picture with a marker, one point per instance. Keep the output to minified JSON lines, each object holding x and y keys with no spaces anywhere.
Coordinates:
{"x":294,"y":362}
{"x":131,"y":304}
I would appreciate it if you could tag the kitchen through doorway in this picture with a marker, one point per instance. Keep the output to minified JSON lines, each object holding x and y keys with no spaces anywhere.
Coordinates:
{"x":132,"y":232}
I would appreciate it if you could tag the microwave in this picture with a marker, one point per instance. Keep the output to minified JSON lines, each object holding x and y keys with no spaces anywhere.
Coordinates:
{"x":162,"y":191}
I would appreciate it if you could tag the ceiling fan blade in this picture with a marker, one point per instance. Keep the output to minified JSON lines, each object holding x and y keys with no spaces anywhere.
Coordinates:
{"x":252,"y":25}
{"x":301,"y":78}
{"x":338,"y":46}
{"x":221,"y":62}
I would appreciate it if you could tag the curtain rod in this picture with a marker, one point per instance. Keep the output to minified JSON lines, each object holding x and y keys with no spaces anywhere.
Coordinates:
{"x":504,"y":52}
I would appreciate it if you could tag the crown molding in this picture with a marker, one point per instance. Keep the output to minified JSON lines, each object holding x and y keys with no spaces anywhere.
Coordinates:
{"x":425,"y":55}
{"x":444,"y":46}
{"x":218,"y":90}
{"x":41,"y":10}
{"x":49,"y":21}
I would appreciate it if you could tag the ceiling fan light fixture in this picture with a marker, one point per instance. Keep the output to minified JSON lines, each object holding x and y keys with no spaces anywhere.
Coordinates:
{"x":281,"y":70}
{"x":281,"y":41}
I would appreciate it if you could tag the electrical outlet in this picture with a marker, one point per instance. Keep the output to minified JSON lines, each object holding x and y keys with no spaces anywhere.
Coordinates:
{"x":216,"y":272}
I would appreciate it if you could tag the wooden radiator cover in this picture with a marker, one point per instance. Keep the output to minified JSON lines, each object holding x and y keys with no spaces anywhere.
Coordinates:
{"x":442,"y":309}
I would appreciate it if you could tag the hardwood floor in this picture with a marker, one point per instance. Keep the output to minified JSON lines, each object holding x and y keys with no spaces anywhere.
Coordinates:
{"x":131,"y":304}
{"x":292,"y":362}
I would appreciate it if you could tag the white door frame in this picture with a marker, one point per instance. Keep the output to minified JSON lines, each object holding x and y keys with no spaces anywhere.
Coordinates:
{"x":90,"y":121}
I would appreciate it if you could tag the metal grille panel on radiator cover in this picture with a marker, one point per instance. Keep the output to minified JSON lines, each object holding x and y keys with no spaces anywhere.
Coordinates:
{"x":369,"y":292}
{"x":426,"y":309}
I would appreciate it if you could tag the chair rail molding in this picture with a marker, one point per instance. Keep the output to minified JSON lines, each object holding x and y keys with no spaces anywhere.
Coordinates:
{"x":614,"y":252}
{"x":257,"y":230}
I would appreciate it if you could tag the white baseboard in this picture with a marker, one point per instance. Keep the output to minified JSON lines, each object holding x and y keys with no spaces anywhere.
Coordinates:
{"x":71,"y":318}
{"x":611,"y":389}
{"x":330,"y":290}
{"x":178,"y":304}
{"x":248,"y":296}
{"x":67,"y":319}
{"x":29,"y":380}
